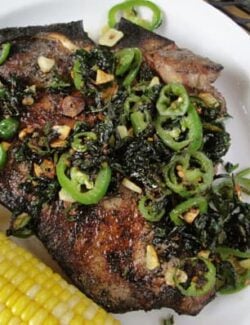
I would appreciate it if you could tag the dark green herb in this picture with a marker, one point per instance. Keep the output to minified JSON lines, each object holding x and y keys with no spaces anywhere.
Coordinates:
{"x":11,"y":95}
{"x":58,"y":84}
{"x":229,"y":167}
{"x":103,"y":59}
{"x":145,"y":73}
{"x":140,"y":159}
{"x":216,"y":143}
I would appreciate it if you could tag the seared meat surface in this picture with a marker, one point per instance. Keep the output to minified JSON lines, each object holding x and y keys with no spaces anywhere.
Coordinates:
{"x":54,"y":41}
{"x":103,"y":252}
{"x":101,"y":247}
{"x":172,"y":63}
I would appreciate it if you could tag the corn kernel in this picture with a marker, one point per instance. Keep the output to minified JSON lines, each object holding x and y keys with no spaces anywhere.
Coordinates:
{"x":20,"y":305}
{"x":13,"y":298}
{"x":39,"y":317}
{"x":30,"y":310}
{"x":91,"y":310}
{"x":30,"y":293}
{"x":6,"y":291}
{"x":5,"y":317}
{"x":51,"y":303}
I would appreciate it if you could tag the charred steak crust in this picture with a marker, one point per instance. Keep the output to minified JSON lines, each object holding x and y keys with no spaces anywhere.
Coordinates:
{"x":136,"y":36}
{"x":171,"y":62}
{"x":103,"y":248}
{"x":73,"y":30}
{"x":103,"y":252}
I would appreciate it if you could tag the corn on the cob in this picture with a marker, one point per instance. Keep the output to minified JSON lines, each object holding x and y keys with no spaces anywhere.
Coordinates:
{"x":31,"y":293}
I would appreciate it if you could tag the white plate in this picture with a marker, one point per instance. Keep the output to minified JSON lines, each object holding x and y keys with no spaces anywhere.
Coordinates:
{"x":199,"y":27}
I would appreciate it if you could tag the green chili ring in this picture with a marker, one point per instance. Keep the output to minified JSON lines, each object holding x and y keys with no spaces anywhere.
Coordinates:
{"x":4,"y":52}
{"x":8,"y":128}
{"x":140,"y":121}
{"x":225,"y":252}
{"x":77,"y":76}
{"x":149,"y":214}
{"x":124,"y":59}
{"x":194,"y":135}
{"x":92,"y":196}
{"x":241,"y":280}
{"x":134,"y":68}
{"x":195,"y":180}
{"x":128,"y":64}
{"x":3,"y":157}
{"x":197,"y":202}
{"x":210,"y":277}
{"x":240,"y":283}
{"x":128,"y":5}
{"x":77,"y":143}
{"x":167,"y":106}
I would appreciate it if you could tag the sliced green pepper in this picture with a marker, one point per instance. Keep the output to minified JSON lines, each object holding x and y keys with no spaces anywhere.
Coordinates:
{"x":196,"y":289}
{"x":79,"y":144}
{"x":140,"y":121}
{"x":239,"y":278}
{"x":124,"y":59}
{"x":180,"y":209}
{"x":91,"y":196}
{"x":21,"y":226}
{"x":189,"y":174}
{"x":226,"y":252}
{"x":128,"y":64}
{"x":125,"y":7}
{"x":4,"y":52}
{"x":172,"y":131}
{"x":8,"y":128}
{"x":77,"y":75}
{"x":3,"y":157}
{"x":241,"y":281}
{"x":150,"y":211}
{"x":242,"y":178}
{"x":80,"y":178}
{"x":173,"y":100}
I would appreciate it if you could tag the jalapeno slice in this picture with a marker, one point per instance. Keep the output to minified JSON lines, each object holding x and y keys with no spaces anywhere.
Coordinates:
{"x":80,"y":141}
{"x":150,"y":210}
{"x":140,"y":121}
{"x":71,"y":185}
{"x":176,"y":214}
{"x":3,"y":157}
{"x":4,"y":53}
{"x":8,"y":128}
{"x":234,"y":269}
{"x":173,"y":100}
{"x":189,"y":174}
{"x":182,"y":132}
{"x":202,"y":282}
{"x":128,"y":64}
{"x":127,"y":9}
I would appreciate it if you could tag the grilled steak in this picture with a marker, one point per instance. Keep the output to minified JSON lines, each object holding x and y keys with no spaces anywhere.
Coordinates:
{"x":172,"y":63}
{"x":101,"y":247}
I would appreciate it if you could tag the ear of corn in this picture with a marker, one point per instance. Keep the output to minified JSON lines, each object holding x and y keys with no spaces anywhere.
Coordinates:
{"x":31,"y":293}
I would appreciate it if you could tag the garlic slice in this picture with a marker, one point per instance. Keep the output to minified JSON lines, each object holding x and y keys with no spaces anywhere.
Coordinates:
{"x":131,"y":186}
{"x":152,"y":261}
{"x":45,"y":64}
{"x":102,"y":77}
{"x":111,"y":37}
